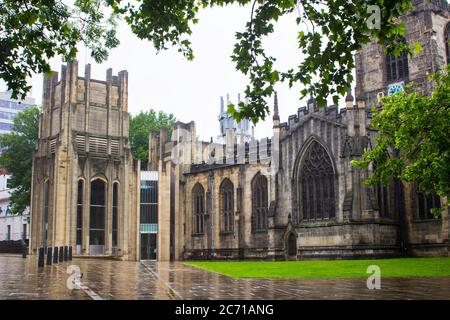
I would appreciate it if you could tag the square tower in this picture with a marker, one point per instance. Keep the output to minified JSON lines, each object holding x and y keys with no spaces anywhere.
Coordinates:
{"x":378,"y":74}
{"x":85,"y":182}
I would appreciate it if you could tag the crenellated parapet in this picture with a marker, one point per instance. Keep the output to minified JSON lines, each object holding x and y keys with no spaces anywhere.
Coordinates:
{"x":330,"y":114}
{"x":92,"y":114}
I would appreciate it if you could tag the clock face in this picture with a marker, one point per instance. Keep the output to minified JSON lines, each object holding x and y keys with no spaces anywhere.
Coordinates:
{"x":395,"y":88}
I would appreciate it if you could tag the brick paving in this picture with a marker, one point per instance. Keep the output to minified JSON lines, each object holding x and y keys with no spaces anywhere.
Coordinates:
{"x":110,"y":279}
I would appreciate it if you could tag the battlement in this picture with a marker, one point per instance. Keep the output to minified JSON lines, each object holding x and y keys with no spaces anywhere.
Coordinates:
{"x":68,"y":86}
{"x":331,"y":113}
{"x":93,"y":112}
{"x":223,"y":155}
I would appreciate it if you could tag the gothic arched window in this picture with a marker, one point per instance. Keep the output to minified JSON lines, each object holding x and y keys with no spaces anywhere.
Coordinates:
{"x":198,"y":194}
{"x":97,"y":213}
{"x":227,"y":205}
{"x":397,"y":67}
{"x":80,"y":198}
{"x":383,"y":200}
{"x":46,"y":212}
{"x":259,"y":203}
{"x":447,"y":39}
{"x":425,"y":203}
{"x":316,"y":184}
{"x":115,"y":213}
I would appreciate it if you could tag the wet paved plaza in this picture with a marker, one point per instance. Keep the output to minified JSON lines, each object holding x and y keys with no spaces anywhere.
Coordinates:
{"x":109,"y":279}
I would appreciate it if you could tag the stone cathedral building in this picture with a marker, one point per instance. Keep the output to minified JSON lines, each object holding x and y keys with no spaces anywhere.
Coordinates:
{"x":294,"y":195}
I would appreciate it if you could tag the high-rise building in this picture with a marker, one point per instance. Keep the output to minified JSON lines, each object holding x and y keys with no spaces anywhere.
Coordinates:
{"x":9,"y":108}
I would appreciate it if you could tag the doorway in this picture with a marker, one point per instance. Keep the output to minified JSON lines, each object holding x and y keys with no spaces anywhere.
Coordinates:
{"x":291,"y":246}
{"x":148,"y":246}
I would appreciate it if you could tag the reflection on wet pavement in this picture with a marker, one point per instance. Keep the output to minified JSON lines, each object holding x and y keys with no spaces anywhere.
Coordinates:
{"x":110,"y":279}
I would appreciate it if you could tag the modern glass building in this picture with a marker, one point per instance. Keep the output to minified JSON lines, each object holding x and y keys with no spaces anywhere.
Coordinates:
{"x":148,"y":214}
{"x":9,"y":108}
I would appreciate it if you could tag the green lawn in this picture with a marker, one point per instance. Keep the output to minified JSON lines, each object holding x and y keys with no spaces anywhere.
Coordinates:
{"x":402,"y":267}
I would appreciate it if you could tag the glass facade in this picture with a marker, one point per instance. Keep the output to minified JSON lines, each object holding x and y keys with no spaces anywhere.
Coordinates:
{"x":149,"y":202}
{"x":148,"y":218}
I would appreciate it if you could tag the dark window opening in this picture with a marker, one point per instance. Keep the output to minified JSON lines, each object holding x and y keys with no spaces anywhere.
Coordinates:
{"x":227,"y":205}
{"x":426,"y":203}
{"x":198,"y":194}
{"x":80,"y":193}
{"x":382,"y":200}
{"x":397,"y":67}
{"x":46,"y":209}
{"x":97,"y":213}
{"x":115,"y":213}
{"x":259,"y":203}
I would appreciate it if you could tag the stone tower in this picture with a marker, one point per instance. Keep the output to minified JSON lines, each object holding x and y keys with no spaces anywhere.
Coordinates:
{"x":85,"y":184}
{"x":378,"y":74}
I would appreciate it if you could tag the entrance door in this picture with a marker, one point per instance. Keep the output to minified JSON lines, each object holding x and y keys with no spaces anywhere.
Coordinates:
{"x":292,"y":245}
{"x":148,"y":246}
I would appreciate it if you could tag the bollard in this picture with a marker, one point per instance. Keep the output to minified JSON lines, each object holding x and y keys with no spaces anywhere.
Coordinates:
{"x":61,"y":254}
{"x":70,"y":253}
{"x":24,"y":251}
{"x":49,"y":256}
{"x":55,"y":255}
{"x":41,"y":257}
{"x":66,"y":253}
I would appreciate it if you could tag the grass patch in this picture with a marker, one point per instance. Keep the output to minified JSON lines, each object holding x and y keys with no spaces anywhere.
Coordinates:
{"x":402,"y":267}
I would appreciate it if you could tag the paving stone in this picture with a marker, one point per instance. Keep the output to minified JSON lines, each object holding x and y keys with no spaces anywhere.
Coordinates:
{"x":110,"y":279}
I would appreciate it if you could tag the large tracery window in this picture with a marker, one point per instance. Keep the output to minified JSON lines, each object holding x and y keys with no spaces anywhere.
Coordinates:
{"x":397,"y":67}
{"x":259,"y":203}
{"x":227,"y":205}
{"x":198,"y":194}
{"x":316,"y":184}
{"x":447,"y":39}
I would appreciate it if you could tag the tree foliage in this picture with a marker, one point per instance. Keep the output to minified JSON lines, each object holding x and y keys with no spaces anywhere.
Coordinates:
{"x":413,"y":140}
{"x":34,"y":31}
{"x":141,"y":125}
{"x":329,"y":33}
{"x":17,"y":156}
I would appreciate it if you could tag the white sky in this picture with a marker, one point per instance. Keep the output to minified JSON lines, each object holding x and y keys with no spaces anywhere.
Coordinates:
{"x":191,"y":90}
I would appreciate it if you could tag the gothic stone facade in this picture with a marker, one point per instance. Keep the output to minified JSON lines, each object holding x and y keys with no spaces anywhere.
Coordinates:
{"x":85,"y":183}
{"x":316,"y":205}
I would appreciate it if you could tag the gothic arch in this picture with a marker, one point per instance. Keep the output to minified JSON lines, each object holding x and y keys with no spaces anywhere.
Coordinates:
{"x":315,"y":183}
{"x":260,"y":202}
{"x":227,"y":206}
{"x":301,"y":153}
{"x":198,"y":209}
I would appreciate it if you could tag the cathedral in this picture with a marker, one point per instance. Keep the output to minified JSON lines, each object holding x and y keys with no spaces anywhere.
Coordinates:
{"x":293,"y":195}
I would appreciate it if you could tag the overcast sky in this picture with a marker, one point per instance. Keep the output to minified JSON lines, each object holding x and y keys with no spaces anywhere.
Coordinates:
{"x":191,"y":90}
